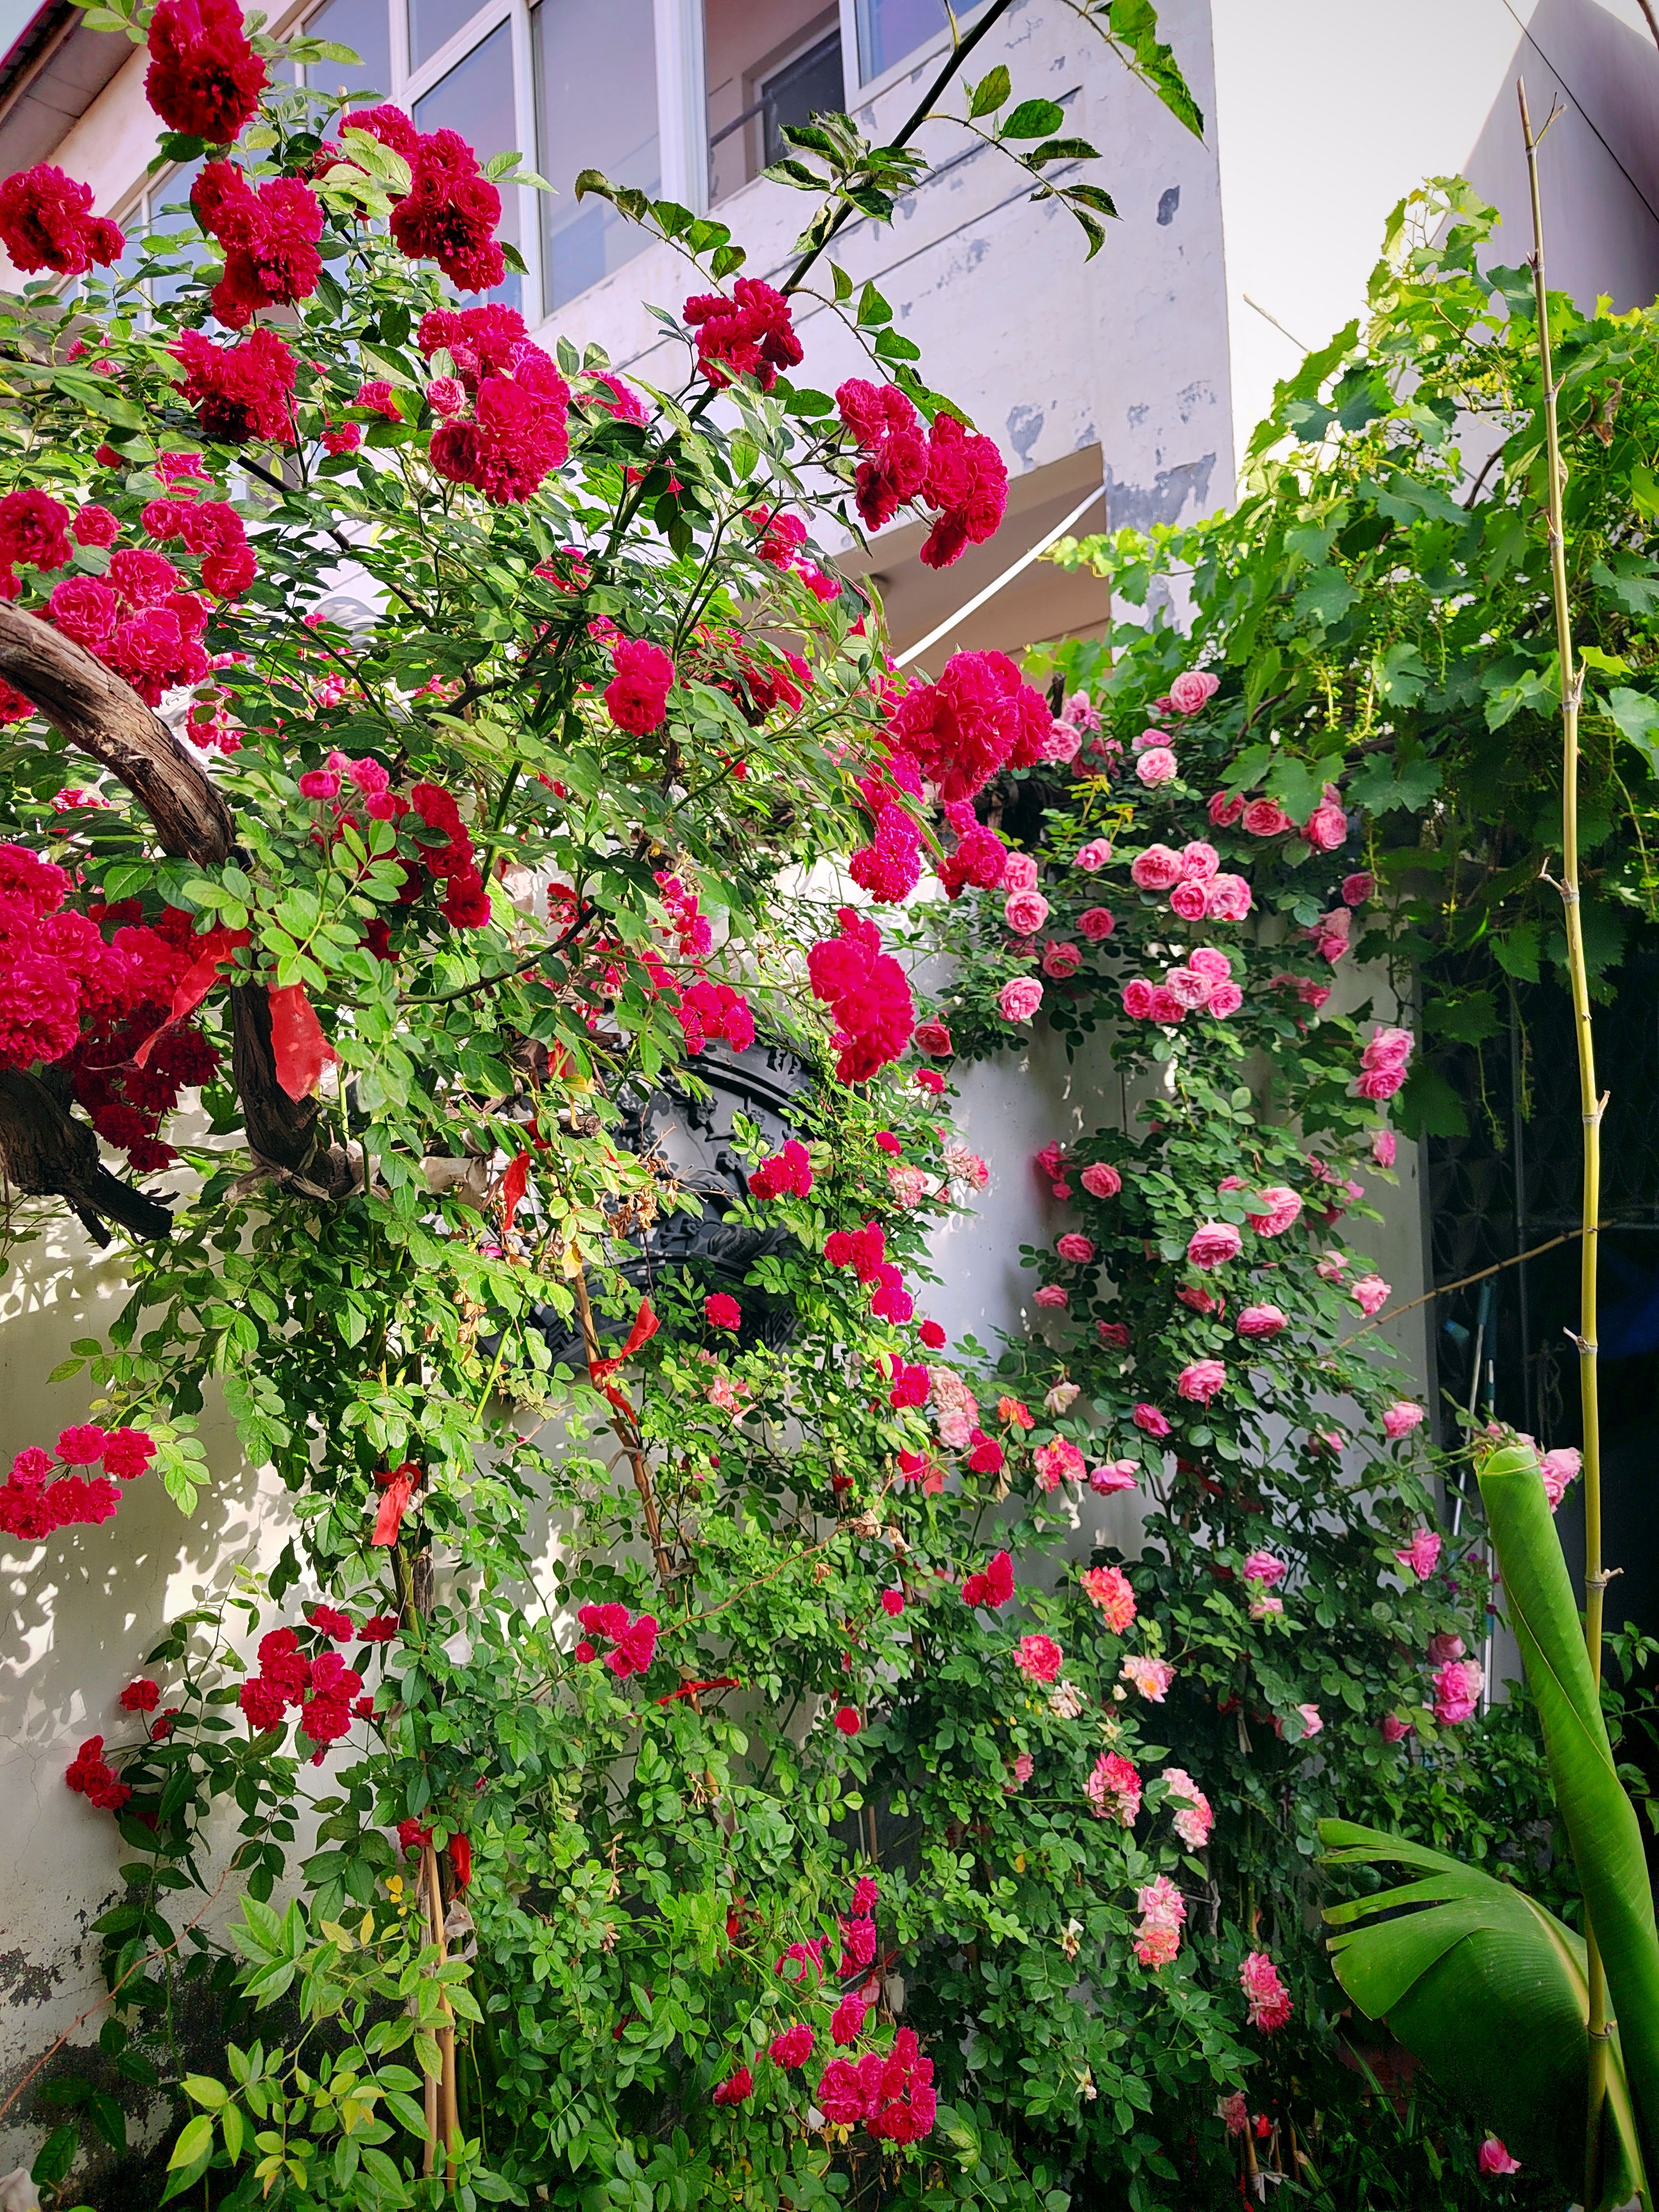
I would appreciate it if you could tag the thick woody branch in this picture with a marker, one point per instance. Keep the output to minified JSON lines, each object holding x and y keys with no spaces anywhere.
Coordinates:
{"x":100,"y":716}
{"x":46,"y":1153}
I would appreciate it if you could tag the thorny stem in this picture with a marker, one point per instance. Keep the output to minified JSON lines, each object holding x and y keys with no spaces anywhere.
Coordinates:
{"x":1591,"y":1106}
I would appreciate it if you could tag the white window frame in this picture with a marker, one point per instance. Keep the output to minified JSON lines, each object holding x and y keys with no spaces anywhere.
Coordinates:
{"x":859,"y":94}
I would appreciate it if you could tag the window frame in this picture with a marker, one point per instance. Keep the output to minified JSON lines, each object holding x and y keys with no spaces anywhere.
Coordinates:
{"x":860,"y":94}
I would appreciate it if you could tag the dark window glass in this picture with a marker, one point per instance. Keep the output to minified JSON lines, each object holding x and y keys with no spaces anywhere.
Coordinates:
{"x":475,"y":99}
{"x":362,"y":26}
{"x":595,"y":109}
{"x":811,"y":85}
{"x":891,"y":29}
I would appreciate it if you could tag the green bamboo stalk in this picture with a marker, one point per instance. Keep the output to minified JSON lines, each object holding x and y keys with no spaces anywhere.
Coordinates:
{"x":1591,"y":1107}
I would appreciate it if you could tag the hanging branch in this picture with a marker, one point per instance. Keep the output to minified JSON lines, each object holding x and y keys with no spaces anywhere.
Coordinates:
{"x":1592,"y":1107}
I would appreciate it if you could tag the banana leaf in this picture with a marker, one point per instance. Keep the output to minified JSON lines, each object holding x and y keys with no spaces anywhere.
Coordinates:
{"x":1602,"y":1829}
{"x":1489,"y":1991}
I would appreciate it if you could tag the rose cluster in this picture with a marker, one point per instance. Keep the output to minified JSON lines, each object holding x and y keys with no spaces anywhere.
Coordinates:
{"x":958,"y":474}
{"x":518,"y":428}
{"x":37,"y":1497}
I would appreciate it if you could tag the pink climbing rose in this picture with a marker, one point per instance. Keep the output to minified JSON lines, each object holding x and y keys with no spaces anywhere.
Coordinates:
{"x":1422,"y":1554}
{"x":1266,"y":1999}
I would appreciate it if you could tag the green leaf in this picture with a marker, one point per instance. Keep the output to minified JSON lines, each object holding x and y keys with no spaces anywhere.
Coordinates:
{"x":1600,"y":1821}
{"x":1034,"y":119}
{"x":989,"y":94}
{"x":1399,"y":674}
{"x":195,"y":2138}
{"x":1637,"y":719}
{"x":1516,"y":951}
{"x":1427,"y":1106}
{"x":1133,"y":27}
{"x":1488,"y":1991}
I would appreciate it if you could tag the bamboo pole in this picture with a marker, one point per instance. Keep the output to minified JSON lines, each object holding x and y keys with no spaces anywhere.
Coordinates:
{"x":448,"y":2115}
{"x":1592,"y":1107}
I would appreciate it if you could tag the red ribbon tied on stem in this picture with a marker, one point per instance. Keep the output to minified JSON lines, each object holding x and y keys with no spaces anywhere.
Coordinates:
{"x":600,"y":1371}
{"x":300,"y":1049}
{"x":198,"y":980}
{"x":514,"y":1184}
{"x":400,"y":1484}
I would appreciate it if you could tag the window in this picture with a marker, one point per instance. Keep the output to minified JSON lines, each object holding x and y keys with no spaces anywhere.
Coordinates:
{"x":766,"y":68}
{"x":477,"y":99}
{"x":362,"y":25}
{"x":889,"y":30}
{"x":595,"y":109}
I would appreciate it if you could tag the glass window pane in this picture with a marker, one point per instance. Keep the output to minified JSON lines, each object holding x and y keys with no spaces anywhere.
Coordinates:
{"x":809,"y":85}
{"x":595,"y":109}
{"x":475,"y":99}
{"x":362,"y":25}
{"x":169,"y":211}
{"x":433,"y":23}
{"x":891,"y":29}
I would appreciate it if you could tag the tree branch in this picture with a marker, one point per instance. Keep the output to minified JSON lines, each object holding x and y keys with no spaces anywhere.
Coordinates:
{"x":100,"y":716}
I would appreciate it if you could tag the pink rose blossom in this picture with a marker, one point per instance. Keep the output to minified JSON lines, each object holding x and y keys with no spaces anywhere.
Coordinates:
{"x":1062,"y":959}
{"x":1053,"y":1295}
{"x":1109,"y":1589}
{"x":1388,"y":1048}
{"x":1138,"y":999}
{"x":1079,"y":710}
{"x":1187,"y":984}
{"x":1114,"y":1789}
{"x":1198,"y":861}
{"x":1113,"y":1475}
{"x":1019,"y":873}
{"x":1227,"y":898}
{"x":1149,"y":1420}
{"x":1377,"y":1084}
{"x":1400,"y":1419}
{"x":1224,"y":811}
{"x":1209,"y":961}
{"x":1018,"y":1001}
{"x":1266,"y":817}
{"x":1370,"y":1294}
{"x":446,"y":395}
{"x":1422,"y":1554}
{"x":1264,"y":1568}
{"x":1327,"y":827}
{"x":1199,"y":1380}
{"x":1039,"y":1658}
{"x":1193,"y":1819}
{"x":1156,"y":766}
{"x":1166,"y":1005}
{"x":1264,"y":1608}
{"x":1193,"y":689}
{"x":1151,"y":1677}
{"x":1190,"y":901}
{"x":1383,"y":1149}
{"x":1157,"y":869}
{"x":1394,"y":1730}
{"x":1266,"y":1999}
{"x":1059,"y":1462}
{"x":1149,"y":739}
{"x":1261,"y":1321}
{"x":1456,"y":1692}
{"x":1444,"y":1647}
{"x":1101,"y":1180}
{"x":1063,"y":743}
{"x":1312,"y":1725}
{"x":1277,"y":1209}
{"x":1025,"y":912}
{"x":1358,"y":887}
{"x":1214,"y":1243}
{"x":1493,"y":2158}
{"x":1093,"y":856}
{"x":1560,"y":1470}
{"x":1077,"y":1249}
{"x":1226,"y":999}
{"x":1097,"y":922}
